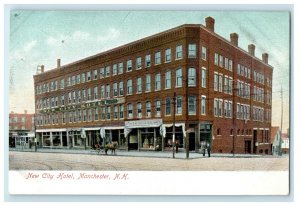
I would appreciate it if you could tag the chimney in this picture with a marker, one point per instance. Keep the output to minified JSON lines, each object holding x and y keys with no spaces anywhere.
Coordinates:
{"x":210,"y":23}
{"x":265,"y":57}
{"x":234,"y":38}
{"x":251,"y":49}
{"x":58,"y":63}
{"x":42,"y":68}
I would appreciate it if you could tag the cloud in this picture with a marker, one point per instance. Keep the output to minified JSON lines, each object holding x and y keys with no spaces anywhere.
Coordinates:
{"x":29,"y":46}
{"x":74,"y":37}
{"x":111,"y":34}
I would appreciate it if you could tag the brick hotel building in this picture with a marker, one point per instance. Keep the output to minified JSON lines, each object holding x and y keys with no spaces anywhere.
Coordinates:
{"x":210,"y":88}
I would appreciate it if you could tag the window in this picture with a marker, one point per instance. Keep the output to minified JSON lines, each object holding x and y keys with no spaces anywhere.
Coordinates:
{"x":157,"y":82}
{"x":168,"y":80}
{"x":220,"y":107}
{"x":215,"y":107}
{"x":220,"y":82}
{"x":221,"y":61}
{"x":230,"y":85}
{"x":129,"y":111}
{"x":103,"y":112}
{"x":96,"y":112}
{"x":192,"y":77}
{"x":88,"y":76}
{"x":83,"y":77}
{"x":230,"y":109}
{"x":148,"y":83}
{"x":139,"y":85}
{"x":179,"y":105}
{"x":102,"y":72}
{"x":78,"y":79}
{"x":139,"y":63}
{"x":192,"y":51}
{"x":249,"y":73}
{"x":139,"y":109}
{"x":225,"y":108}
{"x":216,"y":59}
{"x":121,"y":68}
{"x":107,"y":71}
{"x":230,"y":65}
{"x":203,"y":105}
{"x":115,"y":88}
{"x":84,"y":115}
{"x":148,"y":60}
{"x":121,"y":89}
{"x":96,"y":92}
{"x":167,"y":55}
{"x":148,"y":109}
{"x":179,"y":77}
{"x":115,"y":112}
{"x":179,"y":52}
{"x":108,"y":91}
{"x":68,"y":84}
{"x":115,"y":69}
{"x":216,"y":81}
{"x":239,"y":69}
{"x":108,"y":112}
{"x":102,"y":92}
{"x":203,"y":55}
{"x":157,"y":58}
{"x":157,"y":106}
{"x":121,"y":111}
{"x":62,"y":83}
{"x":129,"y":65}
{"x":129,"y":87}
{"x":95,"y":74}
{"x":192,"y":104}
{"x":69,"y":98}
{"x":74,"y":97}
{"x":168,"y":106}
{"x":62,"y":100}
{"x":203,"y":77}
{"x":90,"y":115}
{"x":89,"y":96}
{"x":226,"y":88}
{"x":63,"y":118}
{"x":226,"y":63}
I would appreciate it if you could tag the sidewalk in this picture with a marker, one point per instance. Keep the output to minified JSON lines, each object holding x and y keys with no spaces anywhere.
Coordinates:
{"x":135,"y":153}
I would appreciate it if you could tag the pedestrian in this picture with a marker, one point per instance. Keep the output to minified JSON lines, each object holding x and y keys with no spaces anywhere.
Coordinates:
{"x":177,"y":145}
{"x":208,"y":149}
{"x":203,"y":149}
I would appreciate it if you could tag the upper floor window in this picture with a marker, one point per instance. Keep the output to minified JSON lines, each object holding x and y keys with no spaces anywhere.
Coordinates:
{"x":139,"y":85}
{"x":102,"y":92}
{"x":203,"y":53}
{"x":203,"y":105}
{"x":148,"y":60}
{"x":129,"y":65}
{"x":179,"y":52}
{"x":226,"y":63}
{"x":221,"y":61}
{"x":168,"y":80}
{"x":129,"y":86}
{"x":78,"y":79}
{"x":95,"y":74}
{"x":148,"y":83}
{"x":102,"y":72}
{"x":157,"y":106}
{"x":216,"y":59}
{"x":107,"y":71}
{"x":121,"y":89}
{"x":62,"y":83}
{"x":115,"y":69}
{"x":107,"y":91}
{"x":148,"y":109}
{"x":203,"y":77}
{"x":157,"y":82}
{"x":192,"y":77}
{"x":230,"y":65}
{"x":129,"y":111}
{"x":179,"y":77}
{"x":121,"y":68}
{"x":139,"y":109}
{"x":115,"y":88}
{"x":168,"y":106}
{"x":157,"y":58}
{"x":139,"y":63}
{"x":192,"y":105}
{"x":192,"y":50}
{"x":167,"y":55}
{"x":179,"y":105}
{"x":88,"y":76}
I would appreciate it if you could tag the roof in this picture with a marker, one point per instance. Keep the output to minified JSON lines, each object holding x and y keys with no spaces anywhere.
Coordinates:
{"x":274,"y":131}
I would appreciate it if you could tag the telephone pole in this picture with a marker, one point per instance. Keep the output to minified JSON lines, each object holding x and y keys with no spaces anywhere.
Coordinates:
{"x":174,"y":107}
{"x":281,"y":121}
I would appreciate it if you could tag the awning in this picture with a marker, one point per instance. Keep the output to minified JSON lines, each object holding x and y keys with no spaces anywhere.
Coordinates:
{"x":52,"y":130}
{"x":145,"y":123}
{"x":177,"y":125}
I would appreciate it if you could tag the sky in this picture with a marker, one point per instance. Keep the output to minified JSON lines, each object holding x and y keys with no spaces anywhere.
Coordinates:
{"x":41,"y":37}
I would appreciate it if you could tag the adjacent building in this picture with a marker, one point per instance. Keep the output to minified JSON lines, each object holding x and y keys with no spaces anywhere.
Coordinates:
{"x":21,"y":129}
{"x":276,"y":141}
{"x":207,"y":86}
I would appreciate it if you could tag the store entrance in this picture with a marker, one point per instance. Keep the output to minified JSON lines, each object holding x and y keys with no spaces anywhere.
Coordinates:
{"x":205,"y":135}
{"x":247,"y":146}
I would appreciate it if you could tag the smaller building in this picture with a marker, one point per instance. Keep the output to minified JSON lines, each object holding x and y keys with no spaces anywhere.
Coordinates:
{"x":276,"y":141}
{"x":285,"y":144}
{"x":21,"y":130}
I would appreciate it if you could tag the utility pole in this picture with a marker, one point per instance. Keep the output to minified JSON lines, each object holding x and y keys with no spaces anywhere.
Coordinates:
{"x":280,"y":152}
{"x":174,"y":107}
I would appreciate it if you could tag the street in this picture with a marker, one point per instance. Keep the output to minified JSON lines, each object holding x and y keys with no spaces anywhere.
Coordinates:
{"x":94,"y":162}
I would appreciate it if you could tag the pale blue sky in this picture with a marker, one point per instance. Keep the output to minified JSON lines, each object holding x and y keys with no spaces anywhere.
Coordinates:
{"x":40,"y":37}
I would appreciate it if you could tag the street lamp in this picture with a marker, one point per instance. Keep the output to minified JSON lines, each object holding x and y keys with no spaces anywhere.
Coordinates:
{"x":35,"y":140}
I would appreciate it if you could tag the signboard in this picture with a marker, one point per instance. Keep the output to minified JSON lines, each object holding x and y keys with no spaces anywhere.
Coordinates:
{"x":143,"y":123}
{"x":86,"y":105}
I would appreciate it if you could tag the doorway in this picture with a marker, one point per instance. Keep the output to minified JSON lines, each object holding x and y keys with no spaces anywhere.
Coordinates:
{"x":248,"y":147}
